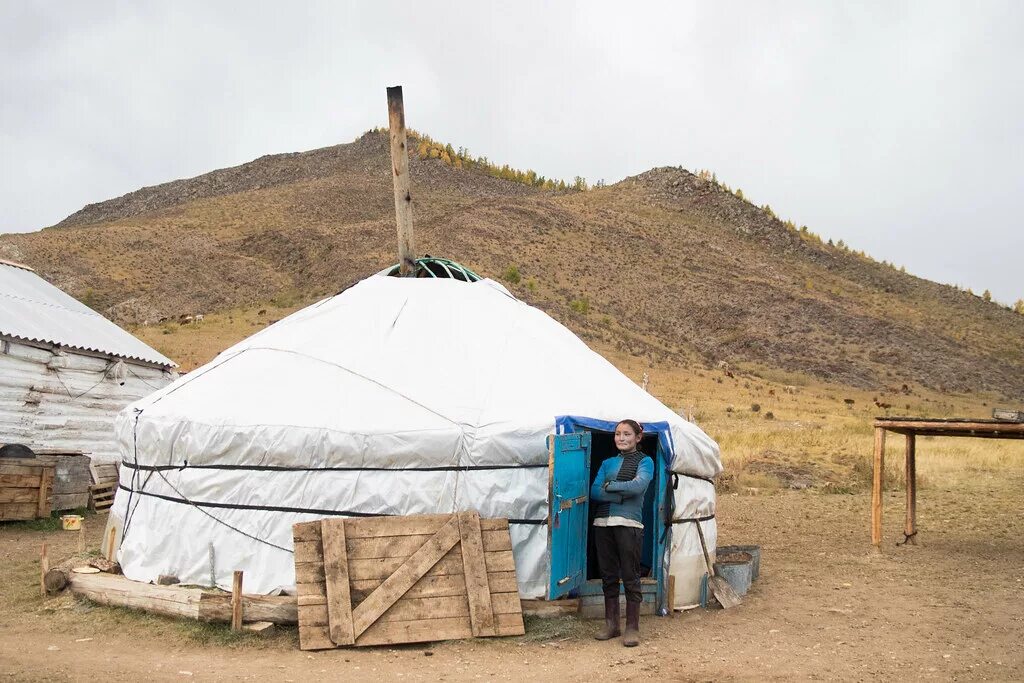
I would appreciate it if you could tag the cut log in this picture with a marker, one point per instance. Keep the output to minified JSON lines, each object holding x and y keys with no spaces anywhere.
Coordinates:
{"x":192,"y":603}
{"x":55,"y":581}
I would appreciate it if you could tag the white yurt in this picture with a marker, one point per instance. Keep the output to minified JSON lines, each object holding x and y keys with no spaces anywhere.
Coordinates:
{"x":397,"y":396}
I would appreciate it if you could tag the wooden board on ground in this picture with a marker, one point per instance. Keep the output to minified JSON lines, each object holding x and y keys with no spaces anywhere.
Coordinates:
{"x":26,"y":487}
{"x":388,"y":580}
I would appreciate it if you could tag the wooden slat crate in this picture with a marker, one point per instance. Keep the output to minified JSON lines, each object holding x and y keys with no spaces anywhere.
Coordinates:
{"x":386,"y":580}
{"x":25,"y":488}
{"x":103,"y":495}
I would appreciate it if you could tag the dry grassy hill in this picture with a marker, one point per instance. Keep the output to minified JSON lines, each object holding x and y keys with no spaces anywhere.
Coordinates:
{"x":666,"y":266}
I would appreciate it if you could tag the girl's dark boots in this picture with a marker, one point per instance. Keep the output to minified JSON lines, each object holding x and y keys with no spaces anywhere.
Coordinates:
{"x":631,"y":638}
{"x":611,"y":619}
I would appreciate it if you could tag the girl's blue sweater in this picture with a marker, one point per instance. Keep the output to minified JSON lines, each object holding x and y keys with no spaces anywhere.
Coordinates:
{"x":626,"y":497}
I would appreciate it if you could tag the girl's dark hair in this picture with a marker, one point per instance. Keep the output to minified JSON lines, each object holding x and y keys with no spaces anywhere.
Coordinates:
{"x":634,"y":425}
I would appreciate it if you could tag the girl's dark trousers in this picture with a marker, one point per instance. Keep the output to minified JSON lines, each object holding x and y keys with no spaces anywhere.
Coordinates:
{"x":618,"y":556}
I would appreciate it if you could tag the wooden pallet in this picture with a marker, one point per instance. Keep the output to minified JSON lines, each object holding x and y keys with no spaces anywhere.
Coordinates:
{"x":104,"y":472}
{"x":103,"y":495}
{"x":387,"y":580}
{"x":26,"y":486}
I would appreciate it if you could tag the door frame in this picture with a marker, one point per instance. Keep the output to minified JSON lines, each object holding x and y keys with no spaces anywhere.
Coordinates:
{"x":663,"y":501}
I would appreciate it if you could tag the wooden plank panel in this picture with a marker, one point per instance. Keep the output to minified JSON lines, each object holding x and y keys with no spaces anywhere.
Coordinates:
{"x":385,"y":546}
{"x":306,"y":531}
{"x":31,"y":470}
{"x":308,"y":551}
{"x":314,"y":615}
{"x":500,"y":561}
{"x":426,"y":587}
{"x":19,"y":495}
{"x":475,"y":571}
{"x":497,"y":539}
{"x":339,"y":602}
{"x":18,"y":510}
{"x":315,"y":638}
{"x":423,"y":630}
{"x":506,"y":603}
{"x":387,"y":554}
{"x":413,"y":609}
{"x":418,"y":564}
{"x":309,"y":572}
{"x":308,"y":600}
{"x":370,"y":527}
{"x":502,"y":582}
{"x":311,"y":589}
{"x":17,"y":480}
{"x":382,"y":567}
{"x":391,"y":632}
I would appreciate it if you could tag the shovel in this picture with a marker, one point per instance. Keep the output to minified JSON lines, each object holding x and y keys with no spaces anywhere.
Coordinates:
{"x":721,"y":589}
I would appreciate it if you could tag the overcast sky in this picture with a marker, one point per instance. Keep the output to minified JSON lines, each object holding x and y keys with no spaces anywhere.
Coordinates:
{"x":896,"y":127}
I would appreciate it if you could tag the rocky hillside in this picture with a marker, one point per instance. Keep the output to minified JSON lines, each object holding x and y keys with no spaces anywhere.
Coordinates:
{"x":666,"y":264}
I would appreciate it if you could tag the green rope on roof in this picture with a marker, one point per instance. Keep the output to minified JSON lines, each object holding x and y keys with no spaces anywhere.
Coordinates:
{"x":432,"y":266}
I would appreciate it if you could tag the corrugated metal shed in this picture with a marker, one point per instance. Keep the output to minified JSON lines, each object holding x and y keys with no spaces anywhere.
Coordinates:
{"x":34,"y":310}
{"x":67,"y":401}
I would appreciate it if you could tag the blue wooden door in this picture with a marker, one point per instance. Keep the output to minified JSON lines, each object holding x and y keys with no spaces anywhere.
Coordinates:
{"x":568,"y":501}
{"x":662,"y":526}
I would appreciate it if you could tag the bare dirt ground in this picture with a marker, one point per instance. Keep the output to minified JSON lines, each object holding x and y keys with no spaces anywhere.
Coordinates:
{"x":827,"y":606}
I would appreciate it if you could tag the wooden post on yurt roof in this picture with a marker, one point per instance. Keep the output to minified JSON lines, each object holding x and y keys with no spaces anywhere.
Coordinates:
{"x":403,"y":196}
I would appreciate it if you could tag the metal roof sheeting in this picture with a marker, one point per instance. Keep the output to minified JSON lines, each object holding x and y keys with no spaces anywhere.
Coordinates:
{"x":33,"y":309}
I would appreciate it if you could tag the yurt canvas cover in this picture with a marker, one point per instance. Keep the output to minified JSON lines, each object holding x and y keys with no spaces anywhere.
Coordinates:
{"x":397,"y":396}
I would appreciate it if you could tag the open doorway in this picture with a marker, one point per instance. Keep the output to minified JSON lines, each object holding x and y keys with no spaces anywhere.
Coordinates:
{"x":602,"y":447}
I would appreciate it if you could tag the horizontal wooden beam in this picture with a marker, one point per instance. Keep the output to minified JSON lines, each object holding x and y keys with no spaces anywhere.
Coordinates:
{"x":994,"y":430}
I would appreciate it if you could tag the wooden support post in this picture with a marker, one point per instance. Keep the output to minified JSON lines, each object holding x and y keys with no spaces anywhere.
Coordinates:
{"x":911,"y":475}
{"x":236,"y":602}
{"x":110,"y":545}
{"x":45,"y":480}
{"x":878,"y":472}
{"x":403,"y":196}
{"x":44,"y":566}
{"x":81,"y":537}
{"x":672,"y":594}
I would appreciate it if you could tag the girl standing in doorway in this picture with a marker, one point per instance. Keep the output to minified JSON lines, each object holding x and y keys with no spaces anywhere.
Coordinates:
{"x":618,"y":496}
